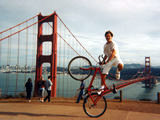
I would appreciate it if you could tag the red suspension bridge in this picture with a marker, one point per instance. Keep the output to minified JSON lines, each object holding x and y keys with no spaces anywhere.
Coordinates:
{"x":42,"y":51}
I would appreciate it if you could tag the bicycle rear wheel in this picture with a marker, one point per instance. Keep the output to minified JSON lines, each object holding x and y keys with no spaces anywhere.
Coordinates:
{"x":75,"y":68}
{"x":94,"y":110}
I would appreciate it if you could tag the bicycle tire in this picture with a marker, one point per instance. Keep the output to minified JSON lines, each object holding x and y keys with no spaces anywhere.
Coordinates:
{"x":74,"y":68}
{"x":94,"y":110}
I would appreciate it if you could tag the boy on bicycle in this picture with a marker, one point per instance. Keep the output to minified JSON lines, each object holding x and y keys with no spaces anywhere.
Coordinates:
{"x":112,"y":57}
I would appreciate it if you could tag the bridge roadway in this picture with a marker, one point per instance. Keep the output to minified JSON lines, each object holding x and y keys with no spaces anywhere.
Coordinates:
{"x":67,"y":109}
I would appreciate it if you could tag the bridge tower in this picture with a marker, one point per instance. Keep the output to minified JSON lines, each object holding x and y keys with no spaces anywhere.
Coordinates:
{"x":51,"y":59}
{"x":148,"y":83}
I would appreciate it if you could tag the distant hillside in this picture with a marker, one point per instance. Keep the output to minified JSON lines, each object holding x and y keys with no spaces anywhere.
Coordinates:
{"x":133,"y":66}
{"x":155,"y":66}
{"x":129,"y":71}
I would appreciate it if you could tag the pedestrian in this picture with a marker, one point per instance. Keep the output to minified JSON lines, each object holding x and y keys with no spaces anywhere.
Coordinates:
{"x":41,"y":89}
{"x":81,"y":92}
{"x":48,"y":87}
{"x":29,"y":87}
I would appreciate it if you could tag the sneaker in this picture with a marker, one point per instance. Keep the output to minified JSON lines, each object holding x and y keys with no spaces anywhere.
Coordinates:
{"x":117,"y":74}
{"x":100,"y":90}
{"x":29,"y":101}
{"x":41,"y":100}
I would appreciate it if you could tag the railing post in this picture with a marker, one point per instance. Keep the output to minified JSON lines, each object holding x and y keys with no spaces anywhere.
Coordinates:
{"x":121,"y":96}
{"x":158,"y":97}
{"x":0,"y":92}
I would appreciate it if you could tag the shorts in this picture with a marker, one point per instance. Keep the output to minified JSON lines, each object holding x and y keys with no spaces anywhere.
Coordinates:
{"x":114,"y":62}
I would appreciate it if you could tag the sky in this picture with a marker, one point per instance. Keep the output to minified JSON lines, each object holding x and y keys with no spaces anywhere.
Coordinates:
{"x":134,"y":23}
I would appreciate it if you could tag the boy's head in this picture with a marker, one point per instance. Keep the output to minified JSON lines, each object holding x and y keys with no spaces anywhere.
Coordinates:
{"x":108,"y":32}
{"x":108,"y":36}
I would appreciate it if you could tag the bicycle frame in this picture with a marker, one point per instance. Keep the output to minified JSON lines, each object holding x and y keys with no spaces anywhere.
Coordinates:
{"x":94,"y":96}
{"x":106,"y":89}
{"x":90,"y":90}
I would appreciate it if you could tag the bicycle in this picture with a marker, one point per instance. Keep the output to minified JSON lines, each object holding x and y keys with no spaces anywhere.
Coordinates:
{"x":94,"y":104}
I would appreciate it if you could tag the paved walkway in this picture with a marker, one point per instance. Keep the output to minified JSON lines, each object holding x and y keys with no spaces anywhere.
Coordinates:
{"x":60,"y":111}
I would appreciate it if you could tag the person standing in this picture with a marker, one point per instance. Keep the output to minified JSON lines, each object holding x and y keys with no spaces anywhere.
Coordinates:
{"x":48,"y":87}
{"x":29,"y":87}
{"x":41,"y":89}
{"x":81,"y":92}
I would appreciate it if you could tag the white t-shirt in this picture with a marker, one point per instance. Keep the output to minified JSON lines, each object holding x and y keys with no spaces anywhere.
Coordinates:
{"x":108,"y":48}
{"x":48,"y":84}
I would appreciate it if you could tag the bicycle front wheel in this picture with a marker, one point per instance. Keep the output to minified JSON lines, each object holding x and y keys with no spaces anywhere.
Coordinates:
{"x":94,"y":105}
{"x":75,"y":68}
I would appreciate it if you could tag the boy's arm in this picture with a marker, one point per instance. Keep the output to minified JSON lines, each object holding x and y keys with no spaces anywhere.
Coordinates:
{"x":104,"y":59}
{"x":112,"y":55}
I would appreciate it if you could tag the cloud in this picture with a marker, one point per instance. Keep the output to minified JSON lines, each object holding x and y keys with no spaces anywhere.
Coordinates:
{"x":133,"y":22}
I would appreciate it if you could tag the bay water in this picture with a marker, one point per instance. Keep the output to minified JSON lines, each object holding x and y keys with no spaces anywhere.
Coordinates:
{"x":14,"y":84}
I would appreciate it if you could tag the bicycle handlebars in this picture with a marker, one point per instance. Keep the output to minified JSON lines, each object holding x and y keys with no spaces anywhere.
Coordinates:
{"x":101,"y":57}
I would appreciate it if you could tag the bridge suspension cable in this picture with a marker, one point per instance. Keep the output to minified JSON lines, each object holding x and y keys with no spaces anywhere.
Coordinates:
{"x":23,"y":28}
{"x":17,"y":65}
{"x":68,"y":44}
{"x":77,"y":39}
{"x":19,"y":24}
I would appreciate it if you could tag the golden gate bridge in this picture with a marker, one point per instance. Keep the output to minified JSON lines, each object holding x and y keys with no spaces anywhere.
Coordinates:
{"x":43,"y":42}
